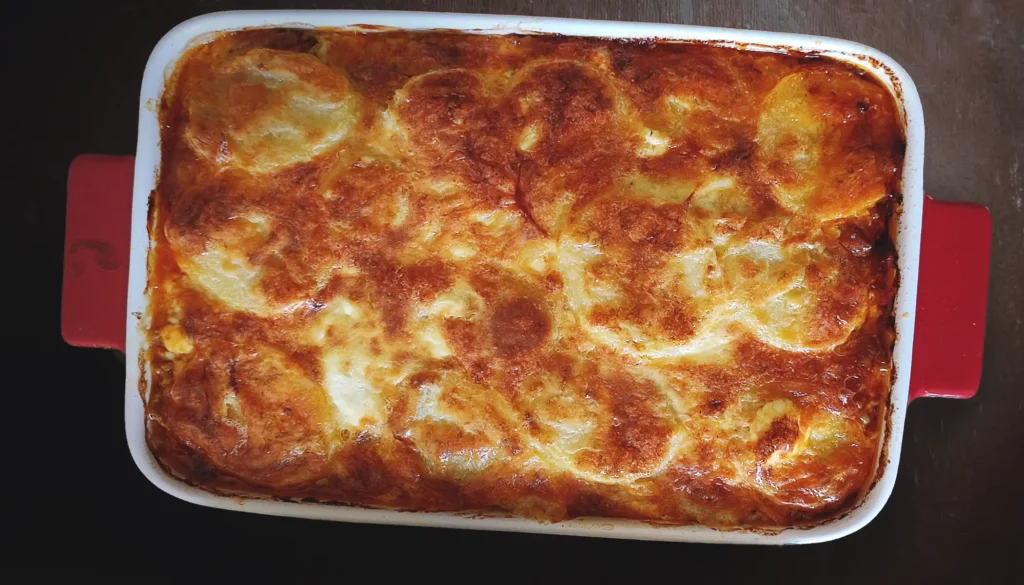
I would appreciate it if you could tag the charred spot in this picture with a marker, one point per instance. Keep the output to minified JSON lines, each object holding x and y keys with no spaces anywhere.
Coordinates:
{"x":365,"y":474}
{"x":738,"y":158}
{"x":233,"y":376}
{"x":201,"y":468}
{"x":445,"y":52}
{"x":854,"y":241}
{"x":899,"y":148}
{"x":592,"y":504}
{"x":520,"y":196}
{"x":199,"y":211}
{"x":290,"y":39}
{"x":519,"y":326}
{"x":398,"y":287}
{"x":713,"y":407}
{"x":779,"y":437}
{"x":573,"y":97}
{"x":621,"y":60}
{"x":451,"y":116}
{"x":425,"y":377}
{"x":873,"y":423}
{"x":478,"y":370}
{"x":449,"y":96}
{"x":708,"y":491}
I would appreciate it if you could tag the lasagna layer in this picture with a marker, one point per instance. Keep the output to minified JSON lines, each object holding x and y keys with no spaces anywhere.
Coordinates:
{"x":551,"y":276}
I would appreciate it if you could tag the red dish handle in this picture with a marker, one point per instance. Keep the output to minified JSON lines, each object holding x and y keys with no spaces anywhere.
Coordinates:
{"x":956,"y":241}
{"x":96,"y":244}
{"x":952,"y":289}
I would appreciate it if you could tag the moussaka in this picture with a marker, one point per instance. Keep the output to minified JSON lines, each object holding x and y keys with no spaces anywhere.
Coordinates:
{"x":540,"y":275}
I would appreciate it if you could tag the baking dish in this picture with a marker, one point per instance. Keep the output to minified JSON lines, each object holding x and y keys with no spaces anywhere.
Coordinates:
{"x":97,"y":271}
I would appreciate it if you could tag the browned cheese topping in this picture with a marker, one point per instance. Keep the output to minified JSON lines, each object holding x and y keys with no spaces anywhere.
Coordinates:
{"x":549,"y":275}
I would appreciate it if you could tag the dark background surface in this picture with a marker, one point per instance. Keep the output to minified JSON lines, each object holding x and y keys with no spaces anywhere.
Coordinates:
{"x":70,"y":85}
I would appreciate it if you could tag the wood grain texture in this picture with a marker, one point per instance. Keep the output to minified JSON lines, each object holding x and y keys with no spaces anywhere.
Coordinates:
{"x":956,"y":512}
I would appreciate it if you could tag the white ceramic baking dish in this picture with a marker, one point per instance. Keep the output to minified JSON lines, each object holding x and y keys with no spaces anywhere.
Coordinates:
{"x":105,"y":280}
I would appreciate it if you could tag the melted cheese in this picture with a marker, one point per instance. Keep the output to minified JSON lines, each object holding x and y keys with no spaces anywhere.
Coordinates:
{"x":266,"y":109}
{"x":439,"y":271}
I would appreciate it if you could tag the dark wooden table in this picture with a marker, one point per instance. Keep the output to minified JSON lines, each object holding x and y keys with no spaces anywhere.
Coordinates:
{"x":70,"y":84}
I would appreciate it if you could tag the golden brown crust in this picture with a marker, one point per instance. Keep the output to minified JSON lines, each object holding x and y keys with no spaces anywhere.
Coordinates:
{"x":555,"y":276}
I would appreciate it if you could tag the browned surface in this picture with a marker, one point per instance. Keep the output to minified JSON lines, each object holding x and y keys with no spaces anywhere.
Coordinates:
{"x":797,"y":394}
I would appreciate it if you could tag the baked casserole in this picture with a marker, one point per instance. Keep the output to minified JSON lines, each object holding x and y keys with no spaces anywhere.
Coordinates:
{"x":539,"y":275}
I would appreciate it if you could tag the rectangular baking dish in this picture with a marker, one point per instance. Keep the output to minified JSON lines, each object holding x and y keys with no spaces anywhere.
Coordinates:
{"x":943,"y":259}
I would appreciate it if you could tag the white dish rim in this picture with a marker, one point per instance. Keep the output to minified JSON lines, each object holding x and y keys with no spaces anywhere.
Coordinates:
{"x":147,"y":161}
